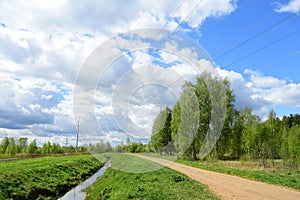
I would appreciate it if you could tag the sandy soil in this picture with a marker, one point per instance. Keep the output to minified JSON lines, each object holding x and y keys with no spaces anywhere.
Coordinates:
{"x":231,"y":187}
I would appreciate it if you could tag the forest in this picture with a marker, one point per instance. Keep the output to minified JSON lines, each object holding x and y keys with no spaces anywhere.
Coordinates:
{"x":243,"y":136}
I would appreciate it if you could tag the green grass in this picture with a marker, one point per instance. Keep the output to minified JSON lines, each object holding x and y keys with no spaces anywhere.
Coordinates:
{"x":156,"y":183}
{"x":129,"y":163}
{"x":162,"y":156}
{"x":44,"y":178}
{"x":288,"y":177}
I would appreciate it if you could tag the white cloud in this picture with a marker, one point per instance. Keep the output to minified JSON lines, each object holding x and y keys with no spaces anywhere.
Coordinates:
{"x":263,"y":81}
{"x":245,"y":94}
{"x":274,"y":90}
{"x":43,"y":45}
{"x":204,"y":9}
{"x":108,"y":17}
{"x":22,"y":102}
{"x":261,"y":92}
{"x":293,"y":6}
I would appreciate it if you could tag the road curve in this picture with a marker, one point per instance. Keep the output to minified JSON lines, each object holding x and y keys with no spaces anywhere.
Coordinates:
{"x":231,"y":187}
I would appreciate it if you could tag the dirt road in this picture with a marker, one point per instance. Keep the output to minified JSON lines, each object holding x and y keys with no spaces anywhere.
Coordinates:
{"x":231,"y":187}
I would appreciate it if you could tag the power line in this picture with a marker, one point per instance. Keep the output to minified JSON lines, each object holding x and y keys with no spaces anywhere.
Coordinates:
{"x":167,"y":22}
{"x":264,"y":47}
{"x":283,"y":58}
{"x":187,"y":16}
{"x":173,"y":14}
{"x":256,"y":35}
{"x":152,"y":98}
{"x":246,"y":31}
{"x":223,"y":20}
{"x":190,"y":13}
{"x":239,"y":36}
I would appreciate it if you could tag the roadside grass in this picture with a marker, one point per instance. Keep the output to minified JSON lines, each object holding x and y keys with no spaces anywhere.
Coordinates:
{"x":145,"y":180}
{"x":280,"y":174}
{"x":288,"y":177}
{"x":44,"y":178}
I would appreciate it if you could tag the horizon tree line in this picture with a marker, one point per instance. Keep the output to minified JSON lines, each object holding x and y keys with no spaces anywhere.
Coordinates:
{"x":10,"y":147}
{"x":244,"y":135}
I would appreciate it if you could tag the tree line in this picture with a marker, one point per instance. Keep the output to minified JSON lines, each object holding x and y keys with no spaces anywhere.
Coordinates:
{"x":132,"y":147}
{"x":10,"y":147}
{"x":243,"y":135}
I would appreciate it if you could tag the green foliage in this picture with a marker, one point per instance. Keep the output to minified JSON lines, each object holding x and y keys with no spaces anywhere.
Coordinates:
{"x":249,"y":131}
{"x":178,"y":178}
{"x":175,"y":122}
{"x":161,"y":130}
{"x":100,"y":147}
{"x":4,"y":144}
{"x":294,"y":144}
{"x":293,"y":120}
{"x":187,"y":137}
{"x":44,"y":178}
{"x":11,"y":147}
{"x":32,"y":147}
{"x":244,"y":135}
{"x":284,"y":149}
{"x":225,"y":146}
{"x":204,"y":100}
{"x":191,"y":118}
{"x":236,"y":140}
{"x":22,"y":145}
{"x":46,"y":149}
{"x":19,"y":148}
{"x":133,"y":147}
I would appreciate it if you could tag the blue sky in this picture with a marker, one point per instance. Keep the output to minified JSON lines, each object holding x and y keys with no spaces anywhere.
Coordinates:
{"x":44,"y":47}
{"x":218,"y":35}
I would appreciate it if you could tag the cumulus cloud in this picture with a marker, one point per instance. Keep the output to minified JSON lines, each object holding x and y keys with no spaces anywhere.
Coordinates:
{"x":245,"y":95}
{"x":23,"y":103}
{"x":43,"y":45}
{"x":109,"y":17}
{"x":203,"y":9}
{"x":143,"y":76}
{"x":274,"y":90}
{"x":261,"y":92}
{"x":31,"y":54}
{"x":293,"y":6}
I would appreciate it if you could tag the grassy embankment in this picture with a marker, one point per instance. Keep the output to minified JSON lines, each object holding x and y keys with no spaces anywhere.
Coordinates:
{"x":280,"y":174}
{"x":44,"y":178}
{"x":135,"y":178}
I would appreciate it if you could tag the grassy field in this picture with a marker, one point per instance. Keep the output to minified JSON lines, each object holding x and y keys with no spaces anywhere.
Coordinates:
{"x":288,"y":177}
{"x":44,"y":178}
{"x":278,"y":175}
{"x":135,"y":178}
{"x":129,"y":163}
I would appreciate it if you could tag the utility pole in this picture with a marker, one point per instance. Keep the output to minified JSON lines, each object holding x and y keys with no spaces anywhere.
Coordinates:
{"x":273,"y":139}
{"x":77,"y":136}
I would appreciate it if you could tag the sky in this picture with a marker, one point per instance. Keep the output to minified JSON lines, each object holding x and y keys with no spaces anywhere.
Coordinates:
{"x":111,"y":66}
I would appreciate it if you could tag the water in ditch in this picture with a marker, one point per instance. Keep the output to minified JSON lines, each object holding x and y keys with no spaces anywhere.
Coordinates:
{"x":77,"y":193}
